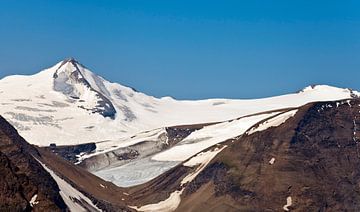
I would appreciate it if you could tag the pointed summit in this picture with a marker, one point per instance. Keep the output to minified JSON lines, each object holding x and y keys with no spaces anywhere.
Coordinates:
{"x":68,"y":74}
{"x":70,"y":66}
{"x":70,"y":60}
{"x":79,"y":84}
{"x":73,"y":61}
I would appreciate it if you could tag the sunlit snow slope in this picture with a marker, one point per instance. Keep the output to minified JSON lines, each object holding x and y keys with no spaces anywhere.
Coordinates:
{"x":68,"y":104}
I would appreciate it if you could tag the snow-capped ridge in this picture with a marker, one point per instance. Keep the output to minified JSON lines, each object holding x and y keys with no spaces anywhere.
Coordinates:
{"x":69,"y":96}
{"x":325,"y":88}
{"x":328,"y":89}
{"x":79,"y":84}
{"x":75,"y":72}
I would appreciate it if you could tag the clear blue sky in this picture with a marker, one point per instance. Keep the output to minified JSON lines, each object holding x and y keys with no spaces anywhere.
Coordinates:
{"x":189,"y":49}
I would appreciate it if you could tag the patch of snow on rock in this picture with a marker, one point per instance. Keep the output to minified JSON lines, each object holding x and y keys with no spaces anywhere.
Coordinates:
{"x":273,"y":122}
{"x":288,"y":204}
{"x":202,"y":160}
{"x":272,"y":161}
{"x":33,"y":200}
{"x":170,"y":204}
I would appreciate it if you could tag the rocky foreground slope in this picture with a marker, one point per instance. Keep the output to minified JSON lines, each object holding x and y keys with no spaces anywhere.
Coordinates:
{"x":35,"y":179}
{"x":24,"y":184}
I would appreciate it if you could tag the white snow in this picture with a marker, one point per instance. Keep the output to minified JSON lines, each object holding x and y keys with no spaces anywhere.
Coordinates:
{"x":209,"y":136}
{"x":143,"y":170}
{"x":273,"y":122}
{"x":135,"y":172}
{"x":33,"y":200}
{"x":288,"y":204}
{"x":272,"y":161}
{"x":69,"y":193}
{"x":140,"y":171}
{"x":201,"y":160}
{"x":170,"y":204}
{"x":43,"y":115}
{"x":202,"y":157}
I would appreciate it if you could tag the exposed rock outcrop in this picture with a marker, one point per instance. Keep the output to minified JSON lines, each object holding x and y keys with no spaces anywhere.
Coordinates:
{"x":22,"y":177}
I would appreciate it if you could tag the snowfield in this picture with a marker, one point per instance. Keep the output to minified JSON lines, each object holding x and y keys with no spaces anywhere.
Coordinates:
{"x":68,"y":104}
{"x":209,"y":136}
{"x":273,"y":122}
{"x":140,"y":171}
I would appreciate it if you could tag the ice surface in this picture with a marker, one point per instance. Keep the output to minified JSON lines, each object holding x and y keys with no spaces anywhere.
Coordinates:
{"x":135,"y":173}
{"x":172,"y":202}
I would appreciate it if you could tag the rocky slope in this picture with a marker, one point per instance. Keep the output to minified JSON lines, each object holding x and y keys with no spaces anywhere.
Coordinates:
{"x":35,"y":179}
{"x":24,"y":184}
{"x":308,"y":163}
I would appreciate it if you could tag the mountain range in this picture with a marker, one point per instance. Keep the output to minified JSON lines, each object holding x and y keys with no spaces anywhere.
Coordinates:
{"x":71,"y":140}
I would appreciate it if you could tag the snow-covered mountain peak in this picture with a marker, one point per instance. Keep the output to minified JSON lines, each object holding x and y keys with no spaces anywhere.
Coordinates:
{"x":311,"y":88}
{"x":69,"y":73}
{"x":79,"y":84}
{"x":327,"y":90}
{"x":68,"y":66}
{"x":73,"y":105}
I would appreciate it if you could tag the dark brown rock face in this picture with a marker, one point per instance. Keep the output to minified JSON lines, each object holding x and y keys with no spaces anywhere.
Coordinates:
{"x":22,"y":177}
{"x":316,"y":163}
{"x":12,"y":197}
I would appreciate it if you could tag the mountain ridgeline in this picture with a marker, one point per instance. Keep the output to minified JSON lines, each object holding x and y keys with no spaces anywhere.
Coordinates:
{"x":73,"y":141}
